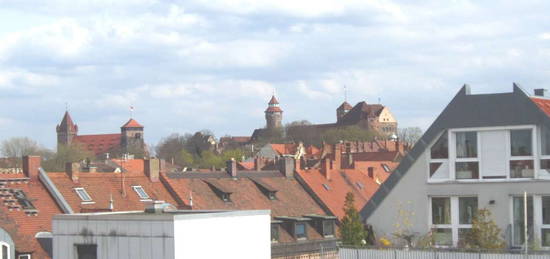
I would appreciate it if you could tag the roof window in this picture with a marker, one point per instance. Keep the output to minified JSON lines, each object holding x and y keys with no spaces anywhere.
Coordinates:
{"x":222,"y":192}
{"x":84,"y":196}
{"x":386,"y":167}
{"x":141,"y":192}
{"x":266,"y":189}
{"x":360,"y":185}
{"x":326,"y":187}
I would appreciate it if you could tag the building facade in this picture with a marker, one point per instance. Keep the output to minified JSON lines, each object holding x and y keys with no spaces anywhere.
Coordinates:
{"x":483,"y":151}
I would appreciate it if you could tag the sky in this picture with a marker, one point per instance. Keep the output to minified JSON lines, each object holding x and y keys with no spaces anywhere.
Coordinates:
{"x":214,"y":64}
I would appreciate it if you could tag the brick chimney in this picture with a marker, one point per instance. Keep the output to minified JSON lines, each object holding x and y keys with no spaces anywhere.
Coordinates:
{"x":337,"y":151}
{"x":370,"y":171}
{"x":30,"y":166}
{"x":325,"y":168}
{"x":287,"y":165}
{"x":258,"y":163}
{"x":73,"y":171}
{"x":152,"y":169}
{"x":231,"y":167}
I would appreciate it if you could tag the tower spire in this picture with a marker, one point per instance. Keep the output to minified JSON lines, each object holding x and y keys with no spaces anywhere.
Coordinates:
{"x":345,"y":93}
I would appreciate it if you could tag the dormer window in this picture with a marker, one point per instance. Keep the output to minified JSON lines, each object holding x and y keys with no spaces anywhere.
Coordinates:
{"x":300,"y":231}
{"x":223,"y":193}
{"x":141,"y":192}
{"x":266,"y":189}
{"x":323,"y":224}
{"x":328,"y":228}
{"x":84,"y":196}
{"x":274,"y":232}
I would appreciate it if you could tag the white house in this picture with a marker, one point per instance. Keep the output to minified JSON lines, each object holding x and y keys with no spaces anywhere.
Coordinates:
{"x":163,"y":234}
{"x":483,"y":151}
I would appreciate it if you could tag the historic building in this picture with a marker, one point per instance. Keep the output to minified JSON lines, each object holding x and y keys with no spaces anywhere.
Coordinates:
{"x":375,"y":117}
{"x":129,"y":140}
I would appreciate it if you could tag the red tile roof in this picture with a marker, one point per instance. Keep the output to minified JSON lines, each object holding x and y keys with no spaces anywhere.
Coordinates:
{"x":543,"y":104}
{"x":273,"y":109}
{"x":100,"y":143}
{"x":332,"y":192}
{"x":132,"y":124}
{"x":291,"y":198}
{"x":100,"y":187}
{"x":21,"y":226}
{"x":273,"y":100}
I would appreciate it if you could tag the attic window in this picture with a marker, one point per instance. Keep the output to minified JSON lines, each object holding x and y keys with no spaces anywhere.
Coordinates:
{"x":326,"y":186}
{"x":223,"y":193}
{"x":141,"y":192}
{"x":83,"y":194}
{"x":266,"y":189}
{"x":23,"y":200}
{"x":386,"y":168}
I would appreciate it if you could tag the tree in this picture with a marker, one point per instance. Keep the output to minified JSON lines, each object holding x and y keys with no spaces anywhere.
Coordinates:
{"x":484,"y":234}
{"x":74,"y":152}
{"x":349,"y":133}
{"x":170,"y":147}
{"x":352,"y":231}
{"x":409,"y":135}
{"x":21,"y":146}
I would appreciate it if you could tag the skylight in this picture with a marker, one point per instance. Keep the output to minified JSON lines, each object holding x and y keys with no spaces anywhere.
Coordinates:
{"x":386,"y":167}
{"x":141,"y":192}
{"x":360,"y":185}
{"x":326,"y":186}
{"x":83,"y":194}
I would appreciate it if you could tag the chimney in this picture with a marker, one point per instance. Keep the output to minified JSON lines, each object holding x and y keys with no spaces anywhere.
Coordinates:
{"x":337,"y":151}
{"x":231,"y":167}
{"x":258,"y":163}
{"x":287,"y":166}
{"x":152,"y":169}
{"x":370,"y":172}
{"x":325,"y":168}
{"x":350,"y":161}
{"x":162,"y":165}
{"x":30,"y":166}
{"x":73,"y":170}
{"x":540,"y":92}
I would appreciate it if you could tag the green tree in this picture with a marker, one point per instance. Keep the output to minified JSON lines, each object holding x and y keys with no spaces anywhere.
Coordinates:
{"x":185,"y":158}
{"x":485,"y":234}
{"x":66,"y":153}
{"x":352,"y":231}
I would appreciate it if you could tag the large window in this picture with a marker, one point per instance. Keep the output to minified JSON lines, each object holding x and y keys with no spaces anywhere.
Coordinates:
{"x":521,"y":142}
{"x":519,"y":219}
{"x":439,"y":158}
{"x":452,"y":218}
{"x":4,"y":251}
{"x":545,"y":230}
{"x":440,"y":150}
{"x":466,"y":144}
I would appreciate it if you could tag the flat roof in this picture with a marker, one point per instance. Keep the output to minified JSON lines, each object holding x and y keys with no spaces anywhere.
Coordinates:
{"x":165,"y":215}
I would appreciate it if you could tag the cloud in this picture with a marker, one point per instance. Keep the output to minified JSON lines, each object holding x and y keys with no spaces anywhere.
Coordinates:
{"x":214,"y":64}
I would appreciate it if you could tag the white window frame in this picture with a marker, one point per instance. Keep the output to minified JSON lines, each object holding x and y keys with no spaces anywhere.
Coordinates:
{"x":24,"y":256}
{"x":141,"y":197}
{"x":451,"y":138}
{"x":538,"y":220}
{"x":82,"y":198}
{"x":455,"y":216}
{"x":438,"y":160}
{"x":9,"y":249}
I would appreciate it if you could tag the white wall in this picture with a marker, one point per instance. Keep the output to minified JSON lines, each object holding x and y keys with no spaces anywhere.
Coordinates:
{"x":122,"y":239}
{"x":223,"y":237}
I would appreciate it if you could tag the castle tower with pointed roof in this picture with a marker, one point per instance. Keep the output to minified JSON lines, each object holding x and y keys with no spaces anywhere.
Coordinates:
{"x":273,"y":114}
{"x":66,"y":130}
{"x":342,"y":110}
{"x":131,"y":139}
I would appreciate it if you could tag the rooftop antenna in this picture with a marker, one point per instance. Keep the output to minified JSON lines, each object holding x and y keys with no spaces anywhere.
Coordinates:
{"x":132,"y":111}
{"x":345,"y":93}
{"x":66,"y":106}
{"x":111,"y":203}
{"x":379,"y":100}
{"x":191,"y":199}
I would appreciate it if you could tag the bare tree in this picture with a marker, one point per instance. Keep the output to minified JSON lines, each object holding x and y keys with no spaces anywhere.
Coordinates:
{"x":21,"y":146}
{"x":409,"y":135}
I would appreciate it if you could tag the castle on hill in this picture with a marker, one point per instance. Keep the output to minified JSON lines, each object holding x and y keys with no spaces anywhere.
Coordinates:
{"x":128,"y":141}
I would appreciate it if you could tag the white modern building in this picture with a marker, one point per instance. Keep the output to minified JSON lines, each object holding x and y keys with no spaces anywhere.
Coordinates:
{"x":163,"y":234}
{"x":483,"y":151}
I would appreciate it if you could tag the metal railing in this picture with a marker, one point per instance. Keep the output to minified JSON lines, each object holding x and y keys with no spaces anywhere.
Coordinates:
{"x":399,"y":253}
{"x":311,"y":249}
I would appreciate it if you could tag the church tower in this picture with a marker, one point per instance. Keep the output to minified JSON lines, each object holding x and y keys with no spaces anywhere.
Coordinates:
{"x":66,"y":130}
{"x":131,"y":139}
{"x":273,"y":114}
